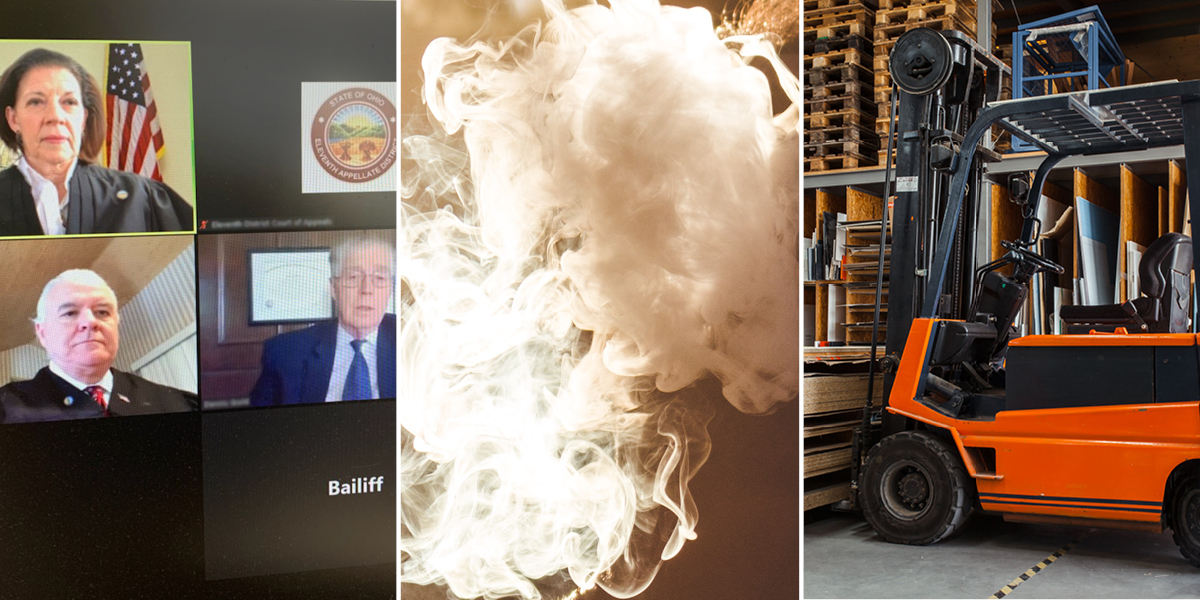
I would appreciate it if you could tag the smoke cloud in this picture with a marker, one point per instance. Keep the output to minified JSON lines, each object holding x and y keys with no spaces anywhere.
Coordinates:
{"x":600,"y":211}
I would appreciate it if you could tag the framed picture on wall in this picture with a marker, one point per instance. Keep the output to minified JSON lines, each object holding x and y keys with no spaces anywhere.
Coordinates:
{"x":289,"y":285}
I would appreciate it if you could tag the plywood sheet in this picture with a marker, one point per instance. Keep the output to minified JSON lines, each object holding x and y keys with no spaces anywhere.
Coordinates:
{"x":1094,"y":192}
{"x":1139,"y":219}
{"x":826,"y":495}
{"x":830,"y":393}
{"x":821,"y":308}
{"x":827,"y":462}
{"x":861,"y":206}
{"x":830,"y":200}
{"x":1006,"y":222}
{"x":1164,"y":212}
{"x":1176,"y":196}
{"x":1066,"y":256}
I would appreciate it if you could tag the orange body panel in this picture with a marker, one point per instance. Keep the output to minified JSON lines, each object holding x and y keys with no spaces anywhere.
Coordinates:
{"x":1107,"y":339}
{"x":1102,"y":462}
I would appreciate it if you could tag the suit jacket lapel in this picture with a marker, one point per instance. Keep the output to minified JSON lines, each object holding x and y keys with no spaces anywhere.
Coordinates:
{"x":125,"y":399}
{"x":58,"y":391}
{"x":385,"y":357}
{"x":318,"y":366}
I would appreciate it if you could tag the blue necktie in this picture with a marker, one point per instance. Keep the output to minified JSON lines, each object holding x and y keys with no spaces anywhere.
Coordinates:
{"x":358,"y":380}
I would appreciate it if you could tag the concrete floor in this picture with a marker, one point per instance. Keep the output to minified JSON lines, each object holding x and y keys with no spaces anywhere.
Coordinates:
{"x":843,"y":558}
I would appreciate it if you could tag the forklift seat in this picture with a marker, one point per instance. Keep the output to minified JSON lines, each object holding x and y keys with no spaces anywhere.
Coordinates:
{"x":1165,"y":282}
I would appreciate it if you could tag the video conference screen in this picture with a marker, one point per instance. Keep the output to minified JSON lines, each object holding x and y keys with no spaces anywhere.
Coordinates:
{"x":429,"y":298}
{"x":197,"y":231}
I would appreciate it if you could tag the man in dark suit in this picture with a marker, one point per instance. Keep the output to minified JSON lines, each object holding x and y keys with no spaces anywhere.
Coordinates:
{"x":352,"y":357}
{"x":77,"y":323}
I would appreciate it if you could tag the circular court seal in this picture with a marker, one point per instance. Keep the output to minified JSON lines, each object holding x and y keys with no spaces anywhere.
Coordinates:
{"x":354,"y":135}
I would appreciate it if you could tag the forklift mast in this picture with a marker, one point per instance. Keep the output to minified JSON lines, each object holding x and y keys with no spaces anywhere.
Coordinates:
{"x":942,"y":81}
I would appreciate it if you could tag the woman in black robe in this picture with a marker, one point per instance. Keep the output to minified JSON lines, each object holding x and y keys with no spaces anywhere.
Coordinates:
{"x":54,"y":117}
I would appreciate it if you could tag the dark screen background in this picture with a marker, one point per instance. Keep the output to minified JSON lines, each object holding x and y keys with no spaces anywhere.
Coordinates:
{"x":249,"y":58}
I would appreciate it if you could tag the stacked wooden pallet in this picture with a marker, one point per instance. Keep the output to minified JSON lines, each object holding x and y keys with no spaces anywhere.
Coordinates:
{"x":839,"y":100}
{"x":833,"y":406}
{"x":892,"y":20}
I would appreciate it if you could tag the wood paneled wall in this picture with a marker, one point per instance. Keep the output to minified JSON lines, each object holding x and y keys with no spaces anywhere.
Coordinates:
{"x":231,"y":348}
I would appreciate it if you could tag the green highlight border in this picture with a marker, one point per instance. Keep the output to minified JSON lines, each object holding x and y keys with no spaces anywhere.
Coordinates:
{"x":191,"y":107}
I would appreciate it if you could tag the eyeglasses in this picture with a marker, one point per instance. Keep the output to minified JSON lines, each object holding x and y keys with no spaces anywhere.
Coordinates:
{"x":356,"y":279}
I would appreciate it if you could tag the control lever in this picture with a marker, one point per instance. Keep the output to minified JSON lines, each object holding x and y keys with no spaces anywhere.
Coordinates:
{"x":1132,"y":311}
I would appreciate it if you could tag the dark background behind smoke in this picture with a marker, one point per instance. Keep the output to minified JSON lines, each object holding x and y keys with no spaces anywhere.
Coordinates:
{"x":423,"y":20}
{"x":748,"y":493}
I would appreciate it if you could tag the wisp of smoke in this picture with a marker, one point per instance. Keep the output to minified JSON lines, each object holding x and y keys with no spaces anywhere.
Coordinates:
{"x":592,"y":223}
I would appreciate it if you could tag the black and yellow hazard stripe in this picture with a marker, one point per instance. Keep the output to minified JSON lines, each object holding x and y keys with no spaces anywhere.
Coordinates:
{"x":1035,"y":569}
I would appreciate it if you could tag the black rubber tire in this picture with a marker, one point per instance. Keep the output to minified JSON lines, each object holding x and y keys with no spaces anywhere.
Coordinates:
{"x":1185,"y":516}
{"x":938,"y":495}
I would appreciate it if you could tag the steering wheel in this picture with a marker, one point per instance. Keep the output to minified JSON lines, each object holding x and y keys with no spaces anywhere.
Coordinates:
{"x":1037,"y":260}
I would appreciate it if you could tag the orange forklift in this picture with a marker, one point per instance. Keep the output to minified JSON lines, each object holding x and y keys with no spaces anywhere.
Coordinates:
{"x":1096,"y":427}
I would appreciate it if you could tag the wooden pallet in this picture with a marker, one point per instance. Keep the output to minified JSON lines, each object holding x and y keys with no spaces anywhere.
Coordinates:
{"x":840,"y":149}
{"x":893,"y":4}
{"x":883,"y":126}
{"x":838,"y":88}
{"x":925,"y":12}
{"x":825,"y":45}
{"x":883,"y":96}
{"x":886,"y":33}
{"x":883,"y":55}
{"x":856,"y":24}
{"x":849,"y":56}
{"x":1004,"y":52}
{"x":840,"y":103}
{"x":838,"y":119}
{"x":828,"y":17}
{"x":883,"y":79}
{"x":849,"y":133}
{"x":840,"y":74}
{"x":812,"y":5}
{"x":832,"y":163}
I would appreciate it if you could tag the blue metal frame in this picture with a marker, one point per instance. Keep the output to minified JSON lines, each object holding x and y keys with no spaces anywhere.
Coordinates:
{"x":1103,"y":55}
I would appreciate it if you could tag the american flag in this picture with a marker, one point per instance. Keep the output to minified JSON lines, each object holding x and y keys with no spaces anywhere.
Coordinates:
{"x":134,"y":141}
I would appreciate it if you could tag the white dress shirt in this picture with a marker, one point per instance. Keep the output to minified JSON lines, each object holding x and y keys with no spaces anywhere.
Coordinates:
{"x":50,"y":208}
{"x":105,"y":383}
{"x":341,"y":364}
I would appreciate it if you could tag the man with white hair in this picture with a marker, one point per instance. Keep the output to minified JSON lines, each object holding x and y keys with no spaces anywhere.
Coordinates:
{"x":351,"y":357}
{"x":77,"y":323}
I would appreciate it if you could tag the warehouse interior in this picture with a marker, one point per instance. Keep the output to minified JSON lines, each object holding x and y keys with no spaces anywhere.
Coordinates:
{"x":1001,"y":389}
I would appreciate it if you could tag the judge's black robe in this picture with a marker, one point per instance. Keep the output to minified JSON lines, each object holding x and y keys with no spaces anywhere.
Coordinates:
{"x":48,"y":397}
{"x":96,"y":204}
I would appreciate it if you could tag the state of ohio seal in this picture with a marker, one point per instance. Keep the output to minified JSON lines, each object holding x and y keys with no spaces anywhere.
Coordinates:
{"x":354,"y":135}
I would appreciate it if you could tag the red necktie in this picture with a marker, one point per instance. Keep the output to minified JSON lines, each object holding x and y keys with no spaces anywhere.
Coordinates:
{"x":97,"y":394}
